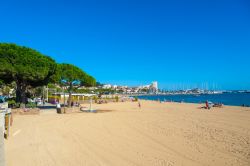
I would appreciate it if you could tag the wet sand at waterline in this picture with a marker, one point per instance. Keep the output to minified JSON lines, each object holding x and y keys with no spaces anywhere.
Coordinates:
{"x":165,"y":134}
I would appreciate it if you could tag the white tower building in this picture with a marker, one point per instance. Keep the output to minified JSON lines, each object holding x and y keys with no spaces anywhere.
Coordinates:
{"x":154,"y":87}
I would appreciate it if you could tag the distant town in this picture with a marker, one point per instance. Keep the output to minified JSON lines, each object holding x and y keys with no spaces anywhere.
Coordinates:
{"x":109,"y":89}
{"x":152,"y":89}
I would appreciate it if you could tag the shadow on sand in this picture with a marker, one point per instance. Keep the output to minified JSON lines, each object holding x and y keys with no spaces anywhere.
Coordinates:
{"x":47,"y":107}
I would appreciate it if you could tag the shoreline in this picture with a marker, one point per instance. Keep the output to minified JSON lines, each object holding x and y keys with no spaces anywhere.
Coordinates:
{"x":183,"y":102}
{"x":225,"y":99}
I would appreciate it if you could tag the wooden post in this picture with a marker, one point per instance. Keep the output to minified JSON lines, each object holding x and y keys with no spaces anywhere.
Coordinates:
{"x":64,"y":101}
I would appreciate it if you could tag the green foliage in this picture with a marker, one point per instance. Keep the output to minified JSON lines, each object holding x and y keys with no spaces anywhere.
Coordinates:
{"x":30,"y":105}
{"x":144,"y":90}
{"x":51,"y":85}
{"x":18,"y":105}
{"x":56,"y":77}
{"x":73,"y":77}
{"x":95,"y":99}
{"x":29,"y":69}
{"x":24,"y":66}
{"x":116,"y":98}
{"x":120,"y":91}
{"x":6,"y":90}
{"x":11,"y":103}
{"x":1,"y":83}
{"x":23,"y":63}
{"x":38,"y":91}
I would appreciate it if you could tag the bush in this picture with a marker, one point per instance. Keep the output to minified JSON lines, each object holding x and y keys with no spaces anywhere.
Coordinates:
{"x":11,"y":103}
{"x":116,"y":98}
{"x":95,"y":98}
{"x":135,"y":98}
{"x":18,"y":105}
{"x":30,"y":105}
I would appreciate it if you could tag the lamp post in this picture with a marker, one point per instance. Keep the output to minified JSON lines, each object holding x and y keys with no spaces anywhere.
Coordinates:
{"x":47,"y":94}
{"x":64,"y":100}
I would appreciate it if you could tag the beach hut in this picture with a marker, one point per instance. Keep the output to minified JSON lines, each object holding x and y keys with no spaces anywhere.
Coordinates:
{"x":75,"y":96}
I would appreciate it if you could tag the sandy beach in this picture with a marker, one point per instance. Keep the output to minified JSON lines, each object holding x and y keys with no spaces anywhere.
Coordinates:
{"x":158,"y":134}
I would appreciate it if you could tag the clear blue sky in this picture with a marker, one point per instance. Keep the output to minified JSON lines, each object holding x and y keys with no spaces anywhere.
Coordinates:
{"x":135,"y":42}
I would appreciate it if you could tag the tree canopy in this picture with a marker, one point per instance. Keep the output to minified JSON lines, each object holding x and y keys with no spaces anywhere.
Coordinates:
{"x":73,"y":77}
{"x":29,"y":68}
{"x":25,"y":66}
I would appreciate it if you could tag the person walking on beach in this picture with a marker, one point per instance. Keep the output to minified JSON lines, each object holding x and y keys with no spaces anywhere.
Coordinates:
{"x":58,"y":107}
{"x":139,"y":104}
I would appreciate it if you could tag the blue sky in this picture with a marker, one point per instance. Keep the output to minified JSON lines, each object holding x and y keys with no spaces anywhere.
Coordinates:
{"x":135,"y":42}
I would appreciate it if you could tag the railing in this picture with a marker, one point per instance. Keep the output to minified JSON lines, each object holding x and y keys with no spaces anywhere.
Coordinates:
{"x":2,"y":129}
{"x":5,"y":122}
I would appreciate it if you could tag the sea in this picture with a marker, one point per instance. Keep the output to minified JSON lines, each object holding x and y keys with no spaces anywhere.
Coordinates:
{"x":233,"y":99}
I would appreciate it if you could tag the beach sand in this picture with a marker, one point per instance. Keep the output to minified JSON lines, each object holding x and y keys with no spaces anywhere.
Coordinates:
{"x":158,"y":134}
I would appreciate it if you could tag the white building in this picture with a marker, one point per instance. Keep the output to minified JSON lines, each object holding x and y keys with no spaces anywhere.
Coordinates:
{"x":144,"y":86}
{"x":154,"y":85}
{"x":106,"y":86}
{"x":114,"y":86}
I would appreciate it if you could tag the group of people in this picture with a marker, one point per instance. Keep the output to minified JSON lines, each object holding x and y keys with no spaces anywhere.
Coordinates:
{"x":75,"y":104}
{"x":209,"y":105}
{"x":244,"y":105}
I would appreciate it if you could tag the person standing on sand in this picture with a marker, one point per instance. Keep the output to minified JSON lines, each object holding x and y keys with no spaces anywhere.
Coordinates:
{"x":139,"y":104}
{"x":58,"y":107}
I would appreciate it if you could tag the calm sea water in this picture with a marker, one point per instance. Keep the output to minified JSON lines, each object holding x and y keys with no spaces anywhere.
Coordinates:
{"x":236,"y":99}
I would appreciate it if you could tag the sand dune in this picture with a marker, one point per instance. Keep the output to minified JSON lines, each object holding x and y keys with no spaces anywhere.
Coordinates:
{"x":160,"y":134}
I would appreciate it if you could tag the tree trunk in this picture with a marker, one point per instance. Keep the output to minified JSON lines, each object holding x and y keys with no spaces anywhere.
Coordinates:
{"x":69,"y":102}
{"x":21,"y":92}
{"x":70,"y":95}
